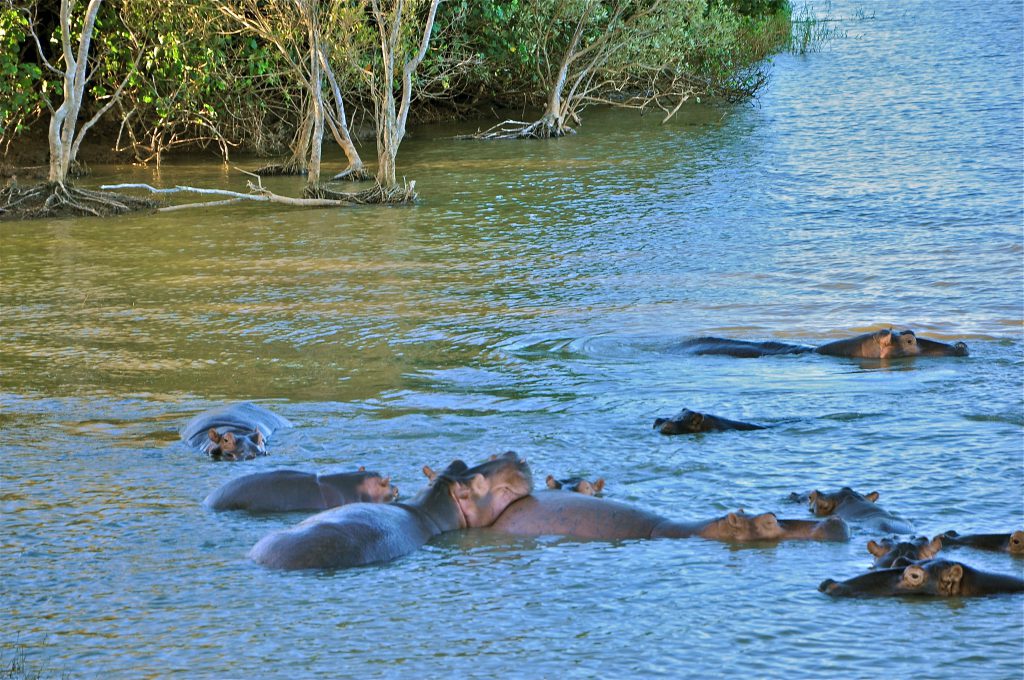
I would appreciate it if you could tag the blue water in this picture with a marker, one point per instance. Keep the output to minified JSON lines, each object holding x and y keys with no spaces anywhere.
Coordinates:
{"x":534,"y":300}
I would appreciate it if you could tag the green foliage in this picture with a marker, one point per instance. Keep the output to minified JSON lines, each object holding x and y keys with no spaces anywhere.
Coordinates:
{"x":21,"y":97}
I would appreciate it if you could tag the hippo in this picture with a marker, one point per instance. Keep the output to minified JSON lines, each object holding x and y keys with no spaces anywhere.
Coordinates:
{"x":692,"y":422}
{"x":233,"y":432}
{"x":892,"y":553}
{"x":292,"y":490}
{"x":882,"y":344}
{"x":857,"y":509}
{"x":1011,"y":543}
{"x":577,"y":484}
{"x":358,"y":534}
{"x":935,"y":578}
{"x":586,"y":517}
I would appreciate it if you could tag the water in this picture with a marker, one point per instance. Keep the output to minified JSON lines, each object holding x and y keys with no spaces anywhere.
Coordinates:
{"x":533,"y":301}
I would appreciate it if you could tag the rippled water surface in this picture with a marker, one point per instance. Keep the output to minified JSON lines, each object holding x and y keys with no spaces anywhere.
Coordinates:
{"x":535,"y":300}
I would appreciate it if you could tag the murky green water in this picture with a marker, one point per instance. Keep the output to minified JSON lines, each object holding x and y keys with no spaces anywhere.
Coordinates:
{"x":533,"y":301}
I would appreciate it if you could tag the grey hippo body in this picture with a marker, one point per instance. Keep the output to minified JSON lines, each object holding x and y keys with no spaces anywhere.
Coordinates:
{"x":367,"y":533}
{"x":293,"y":490}
{"x":694,"y":422}
{"x":857,"y":508}
{"x":932,"y":578}
{"x":1012,"y":543}
{"x":882,"y":344}
{"x":586,"y":517}
{"x":233,"y":432}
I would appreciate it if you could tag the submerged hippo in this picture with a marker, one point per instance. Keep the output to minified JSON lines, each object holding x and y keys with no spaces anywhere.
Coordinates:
{"x":1011,"y":543}
{"x":892,"y":553}
{"x":857,"y":509}
{"x":692,"y":422}
{"x":936,"y":578}
{"x":233,"y":432}
{"x":578,"y":516}
{"x":366,"y":533}
{"x":292,"y":490}
{"x":577,"y":484}
{"x":883,"y":344}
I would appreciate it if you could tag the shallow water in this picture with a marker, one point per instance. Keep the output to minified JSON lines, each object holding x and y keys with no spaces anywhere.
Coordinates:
{"x":534,"y":300}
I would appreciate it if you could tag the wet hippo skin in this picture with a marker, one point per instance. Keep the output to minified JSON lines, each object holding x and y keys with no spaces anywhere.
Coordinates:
{"x":692,"y":422}
{"x":1012,"y":543}
{"x":366,"y":533}
{"x":892,"y":553}
{"x":579,"y":516}
{"x":882,"y":344}
{"x":292,"y":490}
{"x":857,"y":509}
{"x":233,"y":432}
{"x":935,"y":578}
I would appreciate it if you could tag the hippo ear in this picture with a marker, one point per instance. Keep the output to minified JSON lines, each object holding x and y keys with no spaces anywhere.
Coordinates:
{"x":929,"y":550}
{"x":553,"y":483}
{"x":949,"y":581}
{"x":431,"y":475}
{"x":599,"y":485}
{"x":258,"y":437}
{"x":734,"y":520}
{"x":876,"y":549}
{"x":766,"y":521}
{"x":214,"y":437}
{"x":873,"y":496}
{"x":362,"y":468}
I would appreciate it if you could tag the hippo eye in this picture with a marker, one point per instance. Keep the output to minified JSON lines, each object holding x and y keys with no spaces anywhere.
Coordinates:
{"x":914,"y":576}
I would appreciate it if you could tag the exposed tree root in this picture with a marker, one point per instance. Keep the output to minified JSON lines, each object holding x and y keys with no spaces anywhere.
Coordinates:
{"x":544,"y":128}
{"x":352,"y":175}
{"x":59,"y":200}
{"x":289,"y":168}
{"x":376,"y":195}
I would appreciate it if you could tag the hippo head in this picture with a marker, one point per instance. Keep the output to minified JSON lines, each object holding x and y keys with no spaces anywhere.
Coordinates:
{"x":889,"y":344}
{"x":934,"y":348}
{"x":880,"y":582}
{"x":687,"y":422}
{"x":372,"y":488}
{"x":236,"y":446}
{"x":741,"y":526}
{"x":829,"y":529}
{"x":1016,"y":546}
{"x":482,"y":492}
{"x":824,"y":504}
{"x":577,"y":484}
{"x":891,"y":553}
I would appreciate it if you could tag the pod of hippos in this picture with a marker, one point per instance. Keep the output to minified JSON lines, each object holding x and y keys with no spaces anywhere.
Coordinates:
{"x":360,"y":520}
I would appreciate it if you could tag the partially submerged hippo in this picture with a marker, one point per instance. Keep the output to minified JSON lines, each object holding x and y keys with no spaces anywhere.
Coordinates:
{"x":892,"y":553}
{"x":882,"y":344}
{"x":366,"y":533}
{"x":1011,"y":543}
{"x":578,"y":516}
{"x":857,"y":509}
{"x":292,"y":490}
{"x":233,"y":432}
{"x":936,"y":578}
{"x":692,"y":422}
{"x":577,"y":484}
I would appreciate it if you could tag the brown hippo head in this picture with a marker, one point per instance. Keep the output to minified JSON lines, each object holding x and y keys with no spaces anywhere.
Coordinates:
{"x":891,"y":553}
{"x":741,"y":526}
{"x":686,"y":422}
{"x":1016,"y":546}
{"x":482,"y":492}
{"x":824,"y":504}
{"x":236,"y":446}
{"x":372,"y":488}
{"x":577,"y":484}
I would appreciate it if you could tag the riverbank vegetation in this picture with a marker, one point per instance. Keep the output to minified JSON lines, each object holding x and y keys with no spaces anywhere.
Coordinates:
{"x":147,"y":78}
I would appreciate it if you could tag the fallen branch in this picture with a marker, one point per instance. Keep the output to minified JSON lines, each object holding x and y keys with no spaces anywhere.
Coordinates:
{"x":258,"y":194}
{"x":517,"y":129}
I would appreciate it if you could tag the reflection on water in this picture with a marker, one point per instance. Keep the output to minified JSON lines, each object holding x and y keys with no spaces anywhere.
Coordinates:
{"x":532,"y":301}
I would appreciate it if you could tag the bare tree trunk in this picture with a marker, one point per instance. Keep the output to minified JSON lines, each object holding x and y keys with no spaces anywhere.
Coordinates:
{"x":64,"y":142}
{"x":311,"y":15}
{"x":392,"y":115}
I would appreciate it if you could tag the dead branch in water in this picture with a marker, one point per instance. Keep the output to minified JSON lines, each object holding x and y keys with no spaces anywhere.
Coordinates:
{"x":53,"y":199}
{"x":517,"y":129}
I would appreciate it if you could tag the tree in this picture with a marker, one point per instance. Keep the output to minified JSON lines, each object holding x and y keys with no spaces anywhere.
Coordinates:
{"x":295,"y":28}
{"x":391,"y":113}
